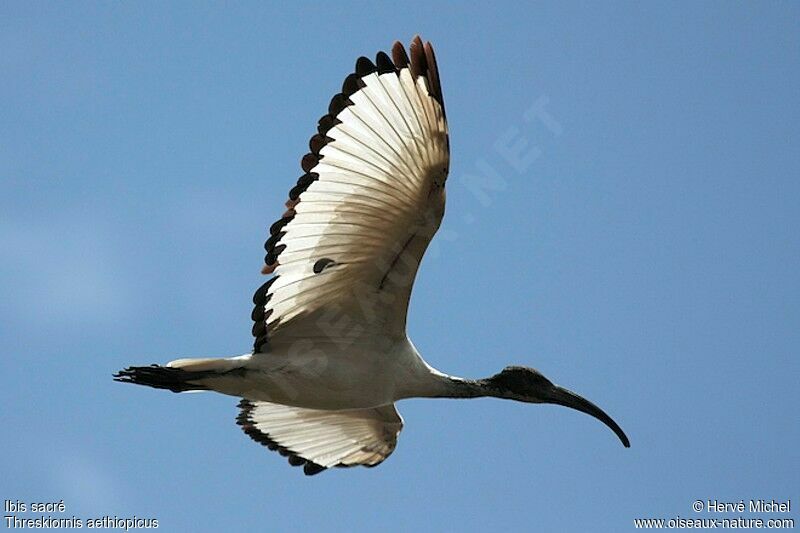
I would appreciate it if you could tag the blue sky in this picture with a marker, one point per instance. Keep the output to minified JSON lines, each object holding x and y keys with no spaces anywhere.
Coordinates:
{"x":644,"y":253}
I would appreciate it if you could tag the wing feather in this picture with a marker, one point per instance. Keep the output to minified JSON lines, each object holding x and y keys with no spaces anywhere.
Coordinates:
{"x":317,"y":439}
{"x":370,"y":200}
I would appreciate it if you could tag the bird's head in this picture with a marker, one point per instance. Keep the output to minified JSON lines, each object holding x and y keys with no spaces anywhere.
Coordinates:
{"x":526,"y":384}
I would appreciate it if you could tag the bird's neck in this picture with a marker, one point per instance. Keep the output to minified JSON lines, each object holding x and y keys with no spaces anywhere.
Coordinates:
{"x":465,"y":388}
{"x":424,"y":381}
{"x":442,"y":385}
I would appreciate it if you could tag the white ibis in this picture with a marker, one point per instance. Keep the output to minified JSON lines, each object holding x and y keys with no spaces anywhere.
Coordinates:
{"x":331,"y":355}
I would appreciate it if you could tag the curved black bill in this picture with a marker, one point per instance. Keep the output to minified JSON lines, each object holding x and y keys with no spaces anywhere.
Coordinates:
{"x":567,"y":398}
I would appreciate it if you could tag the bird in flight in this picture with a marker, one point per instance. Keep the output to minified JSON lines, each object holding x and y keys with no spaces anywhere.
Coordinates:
{"x":331,"y":355}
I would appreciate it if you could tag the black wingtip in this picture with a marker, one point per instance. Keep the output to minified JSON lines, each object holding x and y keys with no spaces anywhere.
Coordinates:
{"x":312,"y":469}
{"x":399,"y":55}
{"x":365,"y":66}
{"x":384,"y":63}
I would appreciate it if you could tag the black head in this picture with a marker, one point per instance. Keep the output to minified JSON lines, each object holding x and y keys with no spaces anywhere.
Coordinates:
{"x":526,"y":384}
{"x":520,"y":383}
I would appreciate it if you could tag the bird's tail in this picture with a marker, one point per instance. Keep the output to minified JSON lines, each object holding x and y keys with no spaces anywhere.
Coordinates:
{"x":181,"y":375}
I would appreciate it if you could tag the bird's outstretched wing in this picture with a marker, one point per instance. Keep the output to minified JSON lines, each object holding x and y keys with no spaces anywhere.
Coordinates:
{"x":319,"y":439}
{"x":362,"y":215}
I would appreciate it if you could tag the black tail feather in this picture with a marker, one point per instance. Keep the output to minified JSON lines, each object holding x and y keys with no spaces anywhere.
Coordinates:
{"x":162,"y":377}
